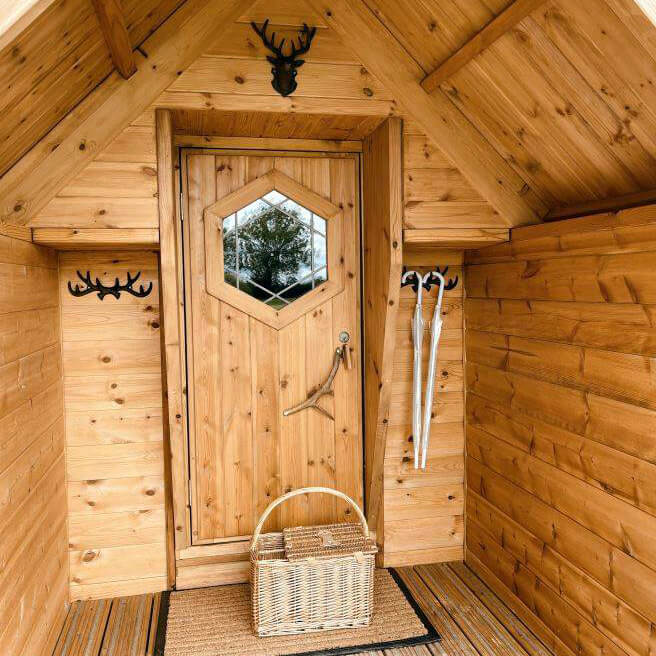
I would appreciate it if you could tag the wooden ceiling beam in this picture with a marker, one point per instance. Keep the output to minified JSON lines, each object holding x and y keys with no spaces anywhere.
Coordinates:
{"x":490,"y":174}
{"x":112,"y":24}
{"x":597,"y":206}
{"x":495,"y":29}
{"x":112,"y":105}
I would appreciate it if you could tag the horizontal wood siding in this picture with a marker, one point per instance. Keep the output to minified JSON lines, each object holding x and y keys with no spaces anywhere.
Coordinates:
{"x":118,"y":190}
{"x":561,"y":429}
{"x":33,"y":532}
{"x":114,"y":436}
{"x":423,"y":510}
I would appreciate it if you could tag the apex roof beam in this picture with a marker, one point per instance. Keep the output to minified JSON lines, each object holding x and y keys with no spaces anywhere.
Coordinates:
{"x":112,"y":105}
{"x":442,"y":121}
{"x":495,"y":29}
{"x":112,"y":24}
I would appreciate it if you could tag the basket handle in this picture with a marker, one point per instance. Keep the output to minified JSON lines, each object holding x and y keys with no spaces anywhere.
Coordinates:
{"x":308,"y":490}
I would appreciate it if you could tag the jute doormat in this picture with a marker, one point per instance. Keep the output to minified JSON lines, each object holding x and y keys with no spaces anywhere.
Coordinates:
{"x":217,"y":622}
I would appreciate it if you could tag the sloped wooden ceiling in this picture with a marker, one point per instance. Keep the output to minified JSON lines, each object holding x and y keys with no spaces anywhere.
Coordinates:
{"x":48,"y":68}
{"x":567,"y":96}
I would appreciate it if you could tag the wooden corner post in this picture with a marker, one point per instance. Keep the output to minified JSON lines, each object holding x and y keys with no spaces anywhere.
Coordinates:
{"x":382,"y":181}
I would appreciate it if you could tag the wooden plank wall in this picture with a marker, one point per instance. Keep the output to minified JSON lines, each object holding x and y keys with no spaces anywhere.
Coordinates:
{"x":114,"y":434}
{"x":423,"y":510}
{"x":561,"y":429}
{"x":436,"y":195}
{"x":117,"y":190}
{"x":33,"y":533}
{"x":234,"y":76}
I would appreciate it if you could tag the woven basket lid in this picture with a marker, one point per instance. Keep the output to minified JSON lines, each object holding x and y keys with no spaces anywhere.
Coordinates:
{"x":326,"y":541}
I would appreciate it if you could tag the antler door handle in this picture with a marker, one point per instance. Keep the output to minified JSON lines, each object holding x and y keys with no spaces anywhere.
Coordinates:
{"x":325,"y":389}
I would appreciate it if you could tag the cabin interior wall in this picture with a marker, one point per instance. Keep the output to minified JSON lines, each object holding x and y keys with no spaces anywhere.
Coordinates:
{"x":33,"y":527}
{"x":227,"y":92}
{"x":117,"y":191}
{"x":424,"y":509}
{"x":561,"y":429}
{"x":114,"y":428}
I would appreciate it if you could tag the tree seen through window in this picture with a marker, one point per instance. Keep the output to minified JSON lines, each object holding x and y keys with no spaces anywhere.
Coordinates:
{"x":274,"y":250}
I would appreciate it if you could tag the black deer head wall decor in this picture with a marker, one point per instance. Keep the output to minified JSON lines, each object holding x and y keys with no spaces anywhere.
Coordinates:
{"x":113,"y":290}
{"x":285,"y":66}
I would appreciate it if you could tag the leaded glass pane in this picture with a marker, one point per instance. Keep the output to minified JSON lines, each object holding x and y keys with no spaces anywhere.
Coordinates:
{"x":274,"y":197}
{"x":298,"y":210}
{"x":274,"y":250}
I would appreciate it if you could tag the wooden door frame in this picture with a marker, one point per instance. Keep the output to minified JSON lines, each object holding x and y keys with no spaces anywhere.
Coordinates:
{"x":169,"y":161}
{"x":172,"y":228}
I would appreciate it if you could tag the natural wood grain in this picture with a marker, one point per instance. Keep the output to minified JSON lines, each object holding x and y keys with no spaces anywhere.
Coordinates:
{"x":243,"y":452}
{"x":514,"y":13}
{"x":383,"y":250}
{"x":636,"y":199}
{"x":111,"y":107}
{"x":112,"y":23}
{"x":17,"y":15}
{"x":172,"y":344}
{"x":115,"y":452}
{"x":32,"y":494}
{"x":485,"y":625}
{"x":386,"y":59}
{"x":560,"y":403}
{"x":96,"y":238}
{"x":460,"y":238}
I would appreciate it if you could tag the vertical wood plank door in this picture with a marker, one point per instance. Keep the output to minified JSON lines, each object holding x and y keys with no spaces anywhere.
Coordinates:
{"x":254,"y":353}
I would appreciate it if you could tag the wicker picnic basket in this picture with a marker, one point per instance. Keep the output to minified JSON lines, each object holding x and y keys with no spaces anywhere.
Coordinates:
{"x":312,"y":578}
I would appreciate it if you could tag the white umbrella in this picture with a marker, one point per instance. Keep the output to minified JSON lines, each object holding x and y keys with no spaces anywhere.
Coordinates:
{"x":436,"y":331}
{"x":417,"y":339}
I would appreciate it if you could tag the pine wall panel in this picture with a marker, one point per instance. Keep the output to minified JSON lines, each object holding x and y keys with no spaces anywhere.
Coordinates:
{"x":33,"y":531}
{"x":424,"y":509}
{"x":561,"y":429}
{"x":114,"y":429}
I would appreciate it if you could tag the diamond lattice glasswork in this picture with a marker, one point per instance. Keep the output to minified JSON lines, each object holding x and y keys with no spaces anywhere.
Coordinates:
{"x":274,"y":250}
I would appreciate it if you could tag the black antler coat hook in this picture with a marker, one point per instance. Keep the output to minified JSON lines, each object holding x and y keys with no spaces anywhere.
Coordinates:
{"x":114,"y":290}
{"x":413,"y":281}
{"x":284,"y":66}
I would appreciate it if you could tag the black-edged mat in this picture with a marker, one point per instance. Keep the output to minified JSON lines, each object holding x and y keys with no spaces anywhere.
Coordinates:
{"x":216,"y":622}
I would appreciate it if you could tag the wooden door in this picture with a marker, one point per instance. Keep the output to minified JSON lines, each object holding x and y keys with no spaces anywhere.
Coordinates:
{"x":250,"y":358}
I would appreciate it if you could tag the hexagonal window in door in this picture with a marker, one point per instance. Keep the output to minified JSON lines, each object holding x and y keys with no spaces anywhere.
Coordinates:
{"x":274,"y":249}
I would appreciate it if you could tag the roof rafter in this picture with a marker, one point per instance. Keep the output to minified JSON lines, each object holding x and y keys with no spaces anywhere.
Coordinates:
{"x":442,"y":121}
{"x":112,"y":105}
{"x":495,"y":29}
{"x":112,"y":24}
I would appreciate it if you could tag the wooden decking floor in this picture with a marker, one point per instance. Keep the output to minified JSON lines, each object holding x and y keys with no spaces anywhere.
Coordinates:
{"x":471,"y":619}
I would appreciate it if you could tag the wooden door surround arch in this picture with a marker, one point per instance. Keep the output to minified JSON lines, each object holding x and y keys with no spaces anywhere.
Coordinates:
{"x":273,"y":180}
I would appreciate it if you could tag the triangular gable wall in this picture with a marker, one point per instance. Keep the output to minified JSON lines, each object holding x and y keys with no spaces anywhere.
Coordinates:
{"x":117,"y":190}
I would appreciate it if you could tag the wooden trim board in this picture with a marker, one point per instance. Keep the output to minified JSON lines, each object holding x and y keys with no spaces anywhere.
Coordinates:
{"x":383,"y":259}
